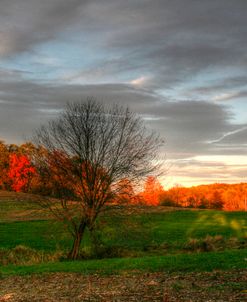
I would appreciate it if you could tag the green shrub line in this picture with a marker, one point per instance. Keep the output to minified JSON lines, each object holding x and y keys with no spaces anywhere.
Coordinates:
{"x":171,"y":263}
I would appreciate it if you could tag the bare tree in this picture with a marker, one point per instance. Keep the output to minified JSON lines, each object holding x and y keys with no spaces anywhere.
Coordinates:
{"x":89,"y":149}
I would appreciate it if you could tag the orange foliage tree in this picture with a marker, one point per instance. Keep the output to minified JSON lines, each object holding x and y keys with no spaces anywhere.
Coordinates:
{"x":152,"y":191}
{"x":230,"y":197}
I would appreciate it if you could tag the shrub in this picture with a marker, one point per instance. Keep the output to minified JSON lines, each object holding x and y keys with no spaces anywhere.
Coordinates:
{"x":215,"y":243}
{"x":207,"y":244}
{"x":193,"y":244}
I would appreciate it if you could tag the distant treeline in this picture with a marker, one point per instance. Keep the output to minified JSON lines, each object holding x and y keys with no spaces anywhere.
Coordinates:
{"x":20,"y":171}
{"x":230,"y":197}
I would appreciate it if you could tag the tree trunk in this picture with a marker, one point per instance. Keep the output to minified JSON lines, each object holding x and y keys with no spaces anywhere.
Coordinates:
{"x":74,"y":253}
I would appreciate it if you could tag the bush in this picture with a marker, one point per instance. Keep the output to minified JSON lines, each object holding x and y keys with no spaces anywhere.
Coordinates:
{"x":193,"y":244}
{"x":207,"y":244}
{"x":215,"y":243}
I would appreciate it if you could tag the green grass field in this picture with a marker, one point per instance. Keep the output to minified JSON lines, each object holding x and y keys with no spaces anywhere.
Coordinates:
{"x":157,"y":238}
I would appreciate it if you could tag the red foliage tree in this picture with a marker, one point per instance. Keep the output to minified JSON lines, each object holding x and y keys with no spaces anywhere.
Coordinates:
{"x":20,"y":172}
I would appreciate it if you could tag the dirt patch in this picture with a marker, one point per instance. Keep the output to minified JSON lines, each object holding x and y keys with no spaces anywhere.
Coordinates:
{"x":162,"y":287}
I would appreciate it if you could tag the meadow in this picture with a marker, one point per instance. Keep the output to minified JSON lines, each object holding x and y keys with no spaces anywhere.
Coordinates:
{"x":122,"y":231}
{"x":128,"y":239}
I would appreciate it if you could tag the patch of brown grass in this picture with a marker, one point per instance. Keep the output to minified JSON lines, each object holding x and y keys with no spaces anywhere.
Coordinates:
{"x":214,"y":243}
{"x":22,"y":255}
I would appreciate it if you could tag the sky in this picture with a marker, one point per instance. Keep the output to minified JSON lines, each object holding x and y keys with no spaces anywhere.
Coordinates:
{"x":180,"y":64}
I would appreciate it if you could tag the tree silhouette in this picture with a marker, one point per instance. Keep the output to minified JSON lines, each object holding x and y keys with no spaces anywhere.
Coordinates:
{"x":90,"y":148}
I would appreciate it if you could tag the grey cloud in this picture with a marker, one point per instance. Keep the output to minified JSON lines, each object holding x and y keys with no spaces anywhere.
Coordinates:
{"x":178,"y":40}
{"x":27,"y":23}
{"x":25,"y":105}
{"x":189,"y":127}
{"x":206,"y":32}
{"x":172,"y":41}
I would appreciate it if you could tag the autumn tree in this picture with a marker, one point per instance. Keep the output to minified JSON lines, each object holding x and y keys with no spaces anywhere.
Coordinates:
{"x":20,"y":172}
{"x":217,"y":201}
{"x":152,"y":191}
{"x":176,"y":194}
{"x":90,"y":148}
